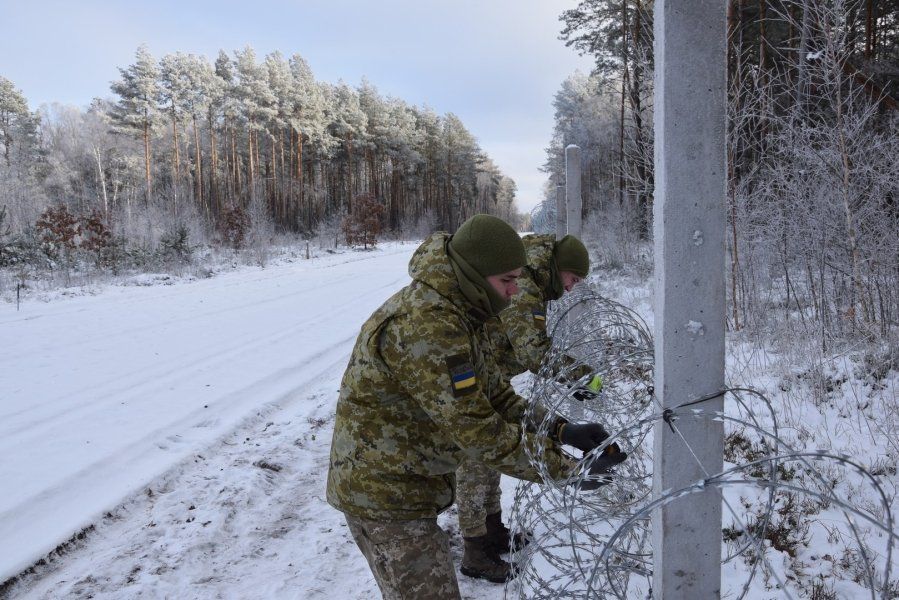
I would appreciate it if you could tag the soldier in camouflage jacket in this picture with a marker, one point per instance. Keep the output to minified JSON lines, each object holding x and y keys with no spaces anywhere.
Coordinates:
{"x":418,"y":396}
{"x":519,"y":342}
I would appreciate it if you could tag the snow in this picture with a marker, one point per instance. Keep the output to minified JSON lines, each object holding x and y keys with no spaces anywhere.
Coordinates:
{"x":104,"y":394}
{"x":185,"y":424}
{"x":695,"y":328}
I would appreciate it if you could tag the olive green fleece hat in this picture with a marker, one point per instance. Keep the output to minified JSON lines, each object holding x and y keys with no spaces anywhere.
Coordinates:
{"x":571,"y":255}
{"x":489,"y":245}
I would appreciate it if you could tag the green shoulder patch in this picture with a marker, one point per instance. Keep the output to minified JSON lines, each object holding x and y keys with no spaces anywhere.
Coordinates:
{"x":462,"y":375}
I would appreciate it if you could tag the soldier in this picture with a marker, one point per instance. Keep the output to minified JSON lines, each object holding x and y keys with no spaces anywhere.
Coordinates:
{"x":418,"y":395}
{"x":553,"y":268}
{"x":519,"y":342}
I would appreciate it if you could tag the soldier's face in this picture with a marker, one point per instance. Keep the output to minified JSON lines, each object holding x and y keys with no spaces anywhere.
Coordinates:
{"x":505,"y":284}
{"x":569,"y":280}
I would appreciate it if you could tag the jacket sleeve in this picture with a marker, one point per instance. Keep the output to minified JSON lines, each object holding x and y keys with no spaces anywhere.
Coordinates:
{"x":524,"y":323}
{"x":505,"y":400}
{"x":433,"y":360}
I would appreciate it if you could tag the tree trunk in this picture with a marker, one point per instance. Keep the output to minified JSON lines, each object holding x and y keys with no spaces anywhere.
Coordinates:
{"x":102,"y":179}
{"x":869,"y":28}
{"x":851,"y":233}
{"x":763,"y":43}
{"x":149,"y":192}
{"x":251,"y":171}
{"x":302,"y":198}
{"x":213,"y":189}
{"x":802,"y":60}
{"x":198,"y":171}
{"x":624,"y":72}
{"x":176,"y":170}
{"x":643,"y":206}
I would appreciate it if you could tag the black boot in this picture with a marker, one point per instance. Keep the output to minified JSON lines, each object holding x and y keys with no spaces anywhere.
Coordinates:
{"x":501,"y":538}
{"x":479,"y":560}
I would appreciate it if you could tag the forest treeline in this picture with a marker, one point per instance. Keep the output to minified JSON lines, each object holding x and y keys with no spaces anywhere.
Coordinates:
{"x":812,"y":153}
{"x":186,"y":147}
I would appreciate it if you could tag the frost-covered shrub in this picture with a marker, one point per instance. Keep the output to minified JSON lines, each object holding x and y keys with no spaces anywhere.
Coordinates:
{"x":363,"y":225}
{"x":57,"y":229}
{"x":878,"y":360}
{"x":94,"y":237}
{"x":174,"y":246}
{"x":329,"y":231}
{"x":16,"y":249}
{"x":139,"y":255}
{"x":235,"y":225}
{"x":420,"y":227}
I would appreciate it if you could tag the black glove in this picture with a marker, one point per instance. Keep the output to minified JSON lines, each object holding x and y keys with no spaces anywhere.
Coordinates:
{"x":582,"y":395}
{"x":600,"y":471}
{"x":585,"y":436}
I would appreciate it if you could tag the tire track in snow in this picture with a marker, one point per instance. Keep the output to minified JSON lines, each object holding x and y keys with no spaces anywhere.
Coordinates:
{"x":243,"y":518}
{"x":41,"y":513}
{"x":61,"y":308}
{"x":165,"y":374}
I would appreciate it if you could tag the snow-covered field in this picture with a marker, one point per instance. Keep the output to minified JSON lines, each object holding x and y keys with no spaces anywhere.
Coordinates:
{"x":186,"y":428}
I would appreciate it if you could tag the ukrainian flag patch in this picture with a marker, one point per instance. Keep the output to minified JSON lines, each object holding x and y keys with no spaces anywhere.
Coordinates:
{"x":539,"y":316}
{"x":462,"y":375}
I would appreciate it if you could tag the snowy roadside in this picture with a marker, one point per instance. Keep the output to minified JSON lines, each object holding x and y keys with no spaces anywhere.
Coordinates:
{"x":104,"y":393}
{"x":244,"y":518}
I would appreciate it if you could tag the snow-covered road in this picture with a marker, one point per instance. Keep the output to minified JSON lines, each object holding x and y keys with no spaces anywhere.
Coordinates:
{"x":101,"y":395}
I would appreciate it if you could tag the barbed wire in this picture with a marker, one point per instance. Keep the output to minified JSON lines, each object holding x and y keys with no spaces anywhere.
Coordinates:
{"x":597,"y":544}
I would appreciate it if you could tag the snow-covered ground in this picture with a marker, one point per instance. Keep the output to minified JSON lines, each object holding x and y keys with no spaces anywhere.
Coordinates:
{"x":177,"y":436}
{"x":186,"y":428}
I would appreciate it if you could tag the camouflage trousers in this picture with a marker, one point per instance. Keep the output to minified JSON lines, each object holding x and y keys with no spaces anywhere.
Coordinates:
{"x":410,"y":559}
{"x":477,"y":495}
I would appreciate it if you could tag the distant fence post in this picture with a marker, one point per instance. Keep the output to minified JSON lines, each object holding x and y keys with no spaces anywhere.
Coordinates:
{"x":573,"y":206}
{"x":561,"y":213}
{"x":573,"y":201}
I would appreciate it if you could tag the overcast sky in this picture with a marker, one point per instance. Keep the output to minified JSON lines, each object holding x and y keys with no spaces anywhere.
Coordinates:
{"x":494,"y":63}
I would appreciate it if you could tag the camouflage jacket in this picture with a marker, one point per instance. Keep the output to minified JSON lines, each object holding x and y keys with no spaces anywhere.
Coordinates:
{"x":419,"y":394}
{"x":519,"y":336}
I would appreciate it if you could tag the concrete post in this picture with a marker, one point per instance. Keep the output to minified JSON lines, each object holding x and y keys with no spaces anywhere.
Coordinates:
{"x":573,"y":201}
{"x":561,"y":214}
{"x":573,"y":204}
{"x":689,"y":225}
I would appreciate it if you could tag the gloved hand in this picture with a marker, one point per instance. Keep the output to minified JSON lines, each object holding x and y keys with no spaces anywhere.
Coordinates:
{"x":583,"y":436}
{"x":600,"y":471}
{"x":582,"y":395}
{"x":590,"y":391}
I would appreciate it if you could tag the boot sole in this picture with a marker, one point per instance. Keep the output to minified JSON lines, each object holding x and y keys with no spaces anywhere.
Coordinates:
{"x":479,"y":575}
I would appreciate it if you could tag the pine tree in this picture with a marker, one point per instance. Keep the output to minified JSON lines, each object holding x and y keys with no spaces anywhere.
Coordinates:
{"x":136,"y":111}
{"x":257,"y":105}
{"x":17,"y":124}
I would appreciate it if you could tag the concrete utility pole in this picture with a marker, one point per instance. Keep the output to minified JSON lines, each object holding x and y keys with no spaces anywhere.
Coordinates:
{"x":689,"y":225}
{"x":561,"y":215}
{"x":573,"y":204}
{"x":573,"y":199}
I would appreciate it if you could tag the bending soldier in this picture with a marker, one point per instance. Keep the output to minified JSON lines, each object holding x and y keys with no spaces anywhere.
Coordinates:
{"x":519,"y":343}
{"x":418,"y":395}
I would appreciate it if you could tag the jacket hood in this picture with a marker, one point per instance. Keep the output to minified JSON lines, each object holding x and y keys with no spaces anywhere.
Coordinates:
{"x":430,"y":265}
{"x":539,"y":249}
